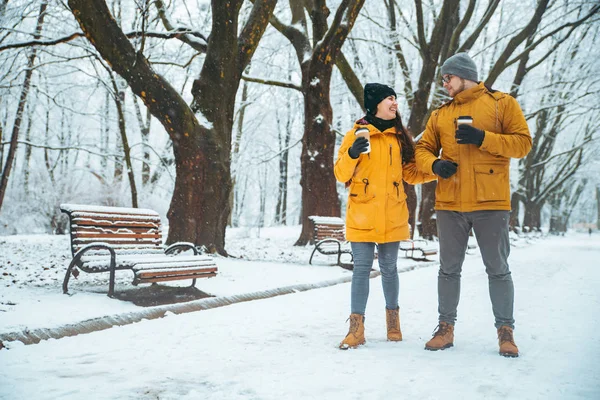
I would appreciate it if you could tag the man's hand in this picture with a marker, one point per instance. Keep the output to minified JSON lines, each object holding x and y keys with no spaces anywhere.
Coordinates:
{"x":444,"y":168}
{"x":467,"y":134}
{"x":360,"y":144}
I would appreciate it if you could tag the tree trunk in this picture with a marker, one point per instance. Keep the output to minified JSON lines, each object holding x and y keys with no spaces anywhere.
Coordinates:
{"x":284,"y":142}
{"x":21,"y":107}
{"x":119,"y":100}
{"x":427,"y":223}
{"x":319,"y":193}
{"x":200,"y":204}
{"x":421,"y":106}
{"x":532,"y":218}
{"x":27,"y":154}
{"x":515,"y":202}
{"x":597,"y":207}
{"x":145,"y":133}
{"x":233,"y":221}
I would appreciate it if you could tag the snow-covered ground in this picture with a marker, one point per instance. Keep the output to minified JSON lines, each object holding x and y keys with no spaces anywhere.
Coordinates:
{"x":286,"y":346}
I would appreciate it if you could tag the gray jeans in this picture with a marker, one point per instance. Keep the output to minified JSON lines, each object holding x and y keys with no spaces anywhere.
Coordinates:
{"x":363,"y":253}
{"x":491,"y":232}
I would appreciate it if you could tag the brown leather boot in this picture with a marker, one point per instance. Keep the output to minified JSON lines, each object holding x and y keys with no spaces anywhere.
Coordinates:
{"x":392,"y":319}
{"x":506,"y":341}
{"x":356,"y":334}
{"x":443,"y":337}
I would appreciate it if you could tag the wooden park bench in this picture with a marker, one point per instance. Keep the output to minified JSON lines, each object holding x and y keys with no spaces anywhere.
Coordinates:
{"x":418,"y":249}
{"x":108,"y":239}
{"x":329,"y":238}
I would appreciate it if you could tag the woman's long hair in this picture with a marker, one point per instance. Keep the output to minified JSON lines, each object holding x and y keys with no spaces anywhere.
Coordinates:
{"x":406,"y":141}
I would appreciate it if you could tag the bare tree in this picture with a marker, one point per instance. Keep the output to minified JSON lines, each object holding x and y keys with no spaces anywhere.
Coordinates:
{"x":21,"y":105}
{"x":199,"y":207}
{"x":319,"y":193}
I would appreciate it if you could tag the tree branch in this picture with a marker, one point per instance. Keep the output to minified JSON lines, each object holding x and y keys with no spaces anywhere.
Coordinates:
{"x":287,"y":85}
{"x":489,"y":12}
{"x":253,"y":30}
{"x":186,"y":36}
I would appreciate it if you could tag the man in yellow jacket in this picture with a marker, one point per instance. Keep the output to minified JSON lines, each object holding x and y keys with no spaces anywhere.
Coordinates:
{"x":468,"y":142}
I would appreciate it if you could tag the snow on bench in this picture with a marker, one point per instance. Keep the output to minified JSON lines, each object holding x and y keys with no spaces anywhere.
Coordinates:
{"x":418,"y":249}
{"x":107,"y":239}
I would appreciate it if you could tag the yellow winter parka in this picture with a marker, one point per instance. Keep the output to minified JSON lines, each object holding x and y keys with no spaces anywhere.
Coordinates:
{"x":376,"y":210}
{"x":482,"y":179}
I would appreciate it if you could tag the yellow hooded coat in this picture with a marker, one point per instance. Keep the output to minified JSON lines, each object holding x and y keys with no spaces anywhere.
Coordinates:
{"x":376,"y":210}
{"x":482,"y":179}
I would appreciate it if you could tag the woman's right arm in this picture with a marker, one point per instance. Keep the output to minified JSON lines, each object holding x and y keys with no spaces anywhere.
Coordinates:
{"x":344,"y":164}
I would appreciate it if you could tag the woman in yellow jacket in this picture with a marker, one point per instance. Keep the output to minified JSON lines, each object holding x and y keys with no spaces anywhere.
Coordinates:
{"x":376,"y":214}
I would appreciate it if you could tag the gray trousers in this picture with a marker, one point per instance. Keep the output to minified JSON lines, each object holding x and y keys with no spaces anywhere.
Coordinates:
{"x":491,"y":232}
{"x":363,"y":253}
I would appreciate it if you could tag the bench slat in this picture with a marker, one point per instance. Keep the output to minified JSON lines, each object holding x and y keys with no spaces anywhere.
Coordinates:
{"x":84,"y":222}
{"x":173,"y":278}
{"x":181,"y":271}
{"x":115,"y":229}
{"x":117,"y":241}
{"x":138,"y":262}
{"x":96,"y":235}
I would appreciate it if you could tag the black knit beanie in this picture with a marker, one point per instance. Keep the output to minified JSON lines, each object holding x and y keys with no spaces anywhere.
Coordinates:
{"x":374,"y":93}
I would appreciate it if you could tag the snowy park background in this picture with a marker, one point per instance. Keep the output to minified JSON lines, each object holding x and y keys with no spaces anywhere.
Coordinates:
{"x":74,"y":130}
{"x":286,"y":346}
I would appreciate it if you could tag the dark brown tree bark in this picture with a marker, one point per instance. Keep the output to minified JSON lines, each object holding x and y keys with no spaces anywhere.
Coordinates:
{"x":319,"y":193}
{"x":421,"y":106}
{"x":199,"y":208}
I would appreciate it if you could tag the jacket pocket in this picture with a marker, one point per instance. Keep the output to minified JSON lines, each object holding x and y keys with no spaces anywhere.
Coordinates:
{"x":361,"y":206}
{"x":445,"y":191}
{"x":360,"y":191}
{"x":396,"y":210}
{"x":491,"y":183}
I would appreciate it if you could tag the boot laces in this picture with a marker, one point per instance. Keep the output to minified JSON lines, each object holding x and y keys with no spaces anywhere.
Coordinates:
{"x":353,"y":325}
{"x":392,"y":317}
{"x":441,"y":330}
{"x":505,"y":335}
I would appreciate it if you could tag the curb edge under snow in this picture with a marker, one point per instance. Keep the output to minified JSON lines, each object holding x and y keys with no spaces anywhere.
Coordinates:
{"x":101,"y":323}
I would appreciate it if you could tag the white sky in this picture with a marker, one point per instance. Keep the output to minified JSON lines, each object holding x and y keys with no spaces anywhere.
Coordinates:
{"x":286,"y":346}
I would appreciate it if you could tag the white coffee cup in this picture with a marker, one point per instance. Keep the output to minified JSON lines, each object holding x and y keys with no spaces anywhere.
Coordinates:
{"x":464,"y":120}
{"x":364,"y":132}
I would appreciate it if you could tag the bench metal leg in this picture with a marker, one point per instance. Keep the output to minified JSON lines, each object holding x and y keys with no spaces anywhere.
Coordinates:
{"x":311,"y":255}
{"x":111,"y":284}
{"x":68,"y":275}
{"x":193,"y":282}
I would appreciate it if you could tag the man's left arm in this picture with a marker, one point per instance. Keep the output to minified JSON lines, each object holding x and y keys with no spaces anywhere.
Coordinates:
{"x":515,"y":141}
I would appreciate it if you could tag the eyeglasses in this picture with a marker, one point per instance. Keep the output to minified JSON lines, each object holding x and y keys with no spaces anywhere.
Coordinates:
{"x":447,"y":78}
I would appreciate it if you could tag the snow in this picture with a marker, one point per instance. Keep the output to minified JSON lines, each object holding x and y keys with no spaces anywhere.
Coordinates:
{"x":202,"y":120}
{"x":326,"y":220}
{"x":87,"y":210}
{"x":286,"y":346}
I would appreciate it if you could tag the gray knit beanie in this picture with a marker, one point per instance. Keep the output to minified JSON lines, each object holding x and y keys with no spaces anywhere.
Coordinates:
{"x":460,"y":65}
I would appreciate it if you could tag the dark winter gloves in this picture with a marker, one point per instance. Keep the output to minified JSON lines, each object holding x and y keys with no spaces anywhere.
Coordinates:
{"x":467,"y":134}
{"x":444,"y":168}
{"x":360,"y":144}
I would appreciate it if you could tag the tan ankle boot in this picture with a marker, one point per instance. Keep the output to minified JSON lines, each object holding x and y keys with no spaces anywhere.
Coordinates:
{"x":506,"y":341}
{"x":392,"y":319}
{"x":356,"y":334}
{"x":443,"y":337}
